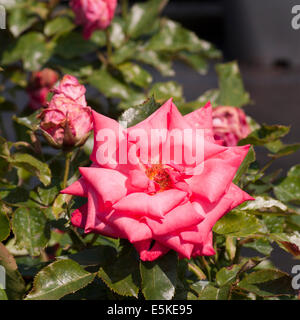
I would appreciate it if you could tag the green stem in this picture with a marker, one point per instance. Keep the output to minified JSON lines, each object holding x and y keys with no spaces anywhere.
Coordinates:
{"x":67,"y":169}
{"x":76,"y":239}
{"x":108,"y":44}
{"x":94,"y":239}
{"x":124,"y":8}
{"x":237,"y":252}
{"x":197,"y":271}
{"x":207,"y":267}
{"x":262,"y":170}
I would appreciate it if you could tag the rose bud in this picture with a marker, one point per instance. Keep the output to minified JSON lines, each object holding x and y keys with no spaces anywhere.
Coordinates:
{"x":230,"y":125}
{"x":155,"y":200}
{"x":39,"y":87}
{"x":93,"y":14}
{"x":67,"y":120}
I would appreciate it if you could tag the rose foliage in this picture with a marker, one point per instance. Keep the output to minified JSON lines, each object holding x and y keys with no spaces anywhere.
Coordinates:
{"x":93,"y":205}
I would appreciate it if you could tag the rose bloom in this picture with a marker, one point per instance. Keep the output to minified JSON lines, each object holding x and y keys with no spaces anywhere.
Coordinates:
{"x":67,"y":121}
{"x":93,"y":14}
{"x":159,"y":206}
{"x":39,"y":87}
{"x":230,"y":125}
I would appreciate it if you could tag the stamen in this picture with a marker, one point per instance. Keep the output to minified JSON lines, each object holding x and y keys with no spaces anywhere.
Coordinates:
{"x":159,"y":174}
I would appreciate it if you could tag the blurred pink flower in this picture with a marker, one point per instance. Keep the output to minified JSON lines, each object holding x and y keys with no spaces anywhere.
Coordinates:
{"x":67,"y":121}
{"x":93,"y":14}
{"x":230,"y":125}
{"x":40,"y":85}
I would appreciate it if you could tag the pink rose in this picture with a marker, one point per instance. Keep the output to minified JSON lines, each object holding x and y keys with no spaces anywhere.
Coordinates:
{"x":39,"y":86}
{"x":159,"y":204}
{"x":67,"y":121}
{"x":230,"y":125}
{"x":93,"y":14}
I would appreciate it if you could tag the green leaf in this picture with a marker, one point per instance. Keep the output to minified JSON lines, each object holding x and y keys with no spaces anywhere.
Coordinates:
{"x":110,"y":86}
{"x":58,"y":26}
{"x":288,"y":242}
{"x":227,"y":275}
{"x":32,"y":165}
{"x":76,"y":67}
{"x":59,"y":279}
{"x":279,"y":149}
{"x":250,"y":157}
{"x":211,"y":96}
{"x":172,"y":37}
{"x":238,"y":223}
{"x":196,"y":61}
{"x":13,"y":194}
{"x":161,"y":61}
{"x":95,"y":256}
{"x":3,"y":295}
{"x":48,"y":195}
{"x":31,"y":122}
{"x":288,"y":190}
{"x":135,"y":74}
{"x":232,"y":91}
{"x":124,"y":53}
{"x":58,"y":206}
{"x":142,"y":17}
{"x":31,"y":229}
{"x":72,"y":45}
{"x":159,"y":277}
{"x":212,"y":293}
{"x":15,"y":285}
{"x":31,"y":48}
{"x":162,"y":91}
{"x":122,"y":276}
{"x":134,"y":115}
{"x":99,"y":38}
{"x":20,"y":20}
{"x":4,"y":225}
{"x":261,"y":245}
{"x":265,"y":205}
{"x":267,"y":283}
{"x":265,"y":134}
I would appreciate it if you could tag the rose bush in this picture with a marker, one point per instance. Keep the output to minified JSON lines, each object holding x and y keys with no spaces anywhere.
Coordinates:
{"x":94,"y":239}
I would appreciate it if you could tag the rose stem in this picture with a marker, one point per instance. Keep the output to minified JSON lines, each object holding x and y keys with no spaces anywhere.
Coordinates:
{"x":197,"y":271}
{"x":108,"y":44}
{"x":207,"y":267}
{"x":67,"y":169}
{"x":124,"y":8}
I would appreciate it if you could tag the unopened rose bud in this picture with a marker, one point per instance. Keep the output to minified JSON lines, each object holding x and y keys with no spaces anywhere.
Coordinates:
{"x":39,"y":87}
{"x":67,"y":121}
{"x":93,"y":14}
{"x":230,"y":125}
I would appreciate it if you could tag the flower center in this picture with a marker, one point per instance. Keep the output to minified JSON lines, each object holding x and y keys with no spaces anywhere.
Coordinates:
{"x":159,"y":174}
